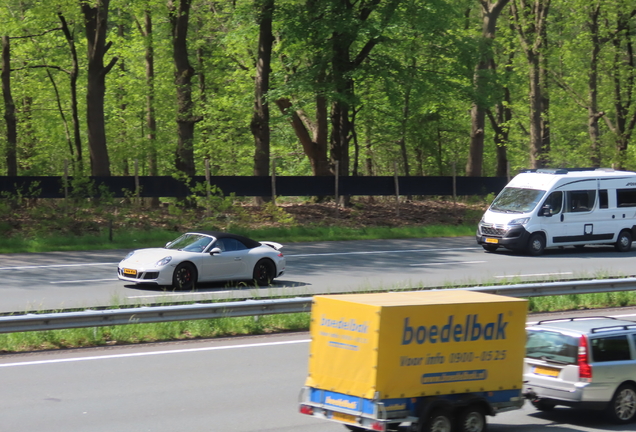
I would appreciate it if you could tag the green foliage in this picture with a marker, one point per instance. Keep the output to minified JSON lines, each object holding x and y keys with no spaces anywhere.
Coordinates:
{"x":409,"y":98}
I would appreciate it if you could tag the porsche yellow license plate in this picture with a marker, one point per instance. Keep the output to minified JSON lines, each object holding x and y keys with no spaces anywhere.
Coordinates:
{"x":130,"y":272}
{"x":492,"y":240}
{"x":346,"y":418}
{"x":547,"y":371}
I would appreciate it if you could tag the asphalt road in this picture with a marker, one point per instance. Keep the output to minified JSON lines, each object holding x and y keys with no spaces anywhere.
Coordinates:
{"x":248,"y":384}
{"x":58,"y":280}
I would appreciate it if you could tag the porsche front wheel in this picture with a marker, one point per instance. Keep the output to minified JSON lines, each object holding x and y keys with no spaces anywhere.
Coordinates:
{"x":263,"y":272}
{"x":184,"y":277}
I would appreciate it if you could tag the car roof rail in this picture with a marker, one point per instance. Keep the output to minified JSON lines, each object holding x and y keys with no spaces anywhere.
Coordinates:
{"x":574,"y":319}
{"x":611,"y":328}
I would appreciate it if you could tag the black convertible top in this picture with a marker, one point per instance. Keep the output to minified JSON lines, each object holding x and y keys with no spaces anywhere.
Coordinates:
{"x":249,"y":243}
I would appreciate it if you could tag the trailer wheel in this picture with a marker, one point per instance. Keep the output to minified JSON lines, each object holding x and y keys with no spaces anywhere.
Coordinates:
{"x":472,"y":419}
{"x":437,"y":421}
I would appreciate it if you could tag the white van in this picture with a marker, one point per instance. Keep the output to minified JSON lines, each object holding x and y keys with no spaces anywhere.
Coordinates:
{"x":559,"y":207}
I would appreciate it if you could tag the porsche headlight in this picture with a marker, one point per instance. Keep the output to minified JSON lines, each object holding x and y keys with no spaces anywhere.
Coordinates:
{"x":163,"y":261}
{"x":520,"y":221}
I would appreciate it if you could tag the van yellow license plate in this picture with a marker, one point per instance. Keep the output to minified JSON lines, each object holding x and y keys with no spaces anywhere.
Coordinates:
{"x":346,"y":418}
{"x":492,"y":240}
{"x":131,"y":272}
{"x":541,"y":370}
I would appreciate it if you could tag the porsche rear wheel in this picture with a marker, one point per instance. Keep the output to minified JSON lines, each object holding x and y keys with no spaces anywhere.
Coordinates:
{"x":263,"y":272}
{"x":184,"y":277}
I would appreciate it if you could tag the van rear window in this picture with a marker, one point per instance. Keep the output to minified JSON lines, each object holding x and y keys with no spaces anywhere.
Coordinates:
{"x":552,"y":346}
{"x":626,"y":198}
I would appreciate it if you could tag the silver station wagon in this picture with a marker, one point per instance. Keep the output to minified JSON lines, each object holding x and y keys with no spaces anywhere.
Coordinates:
{"x":587,"y":362}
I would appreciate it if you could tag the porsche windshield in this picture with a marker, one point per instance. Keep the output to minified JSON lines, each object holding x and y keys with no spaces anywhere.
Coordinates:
{"x":516,"y":200}
{"x":190,"y":243}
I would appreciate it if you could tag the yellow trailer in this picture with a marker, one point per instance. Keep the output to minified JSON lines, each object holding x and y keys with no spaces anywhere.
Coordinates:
{"x":377,"y":360}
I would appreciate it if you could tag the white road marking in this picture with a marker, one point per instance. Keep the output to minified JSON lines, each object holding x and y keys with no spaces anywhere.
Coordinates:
{"x":447,"y":263}
{"x":534,"y":274}
{"x":56,"y":265}
{"x":379,"y":252}
{"x":150,"y":353}
{"x":85,"y":280}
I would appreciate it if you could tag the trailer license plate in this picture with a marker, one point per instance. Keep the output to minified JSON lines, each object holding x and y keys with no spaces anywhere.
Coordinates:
{"x":551,"y":372}
{"x":492,"y":240}
{"x":131,"y":272}
{"x":346,"y":418}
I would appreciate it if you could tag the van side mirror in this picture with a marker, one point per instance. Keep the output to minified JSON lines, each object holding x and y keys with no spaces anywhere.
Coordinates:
{"x":215,"y":251}
{"x":545,"y":211}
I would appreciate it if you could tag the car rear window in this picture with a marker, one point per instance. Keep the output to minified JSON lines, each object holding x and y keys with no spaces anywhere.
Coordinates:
{"x":552,"y":346}
{"x":611,"y":348}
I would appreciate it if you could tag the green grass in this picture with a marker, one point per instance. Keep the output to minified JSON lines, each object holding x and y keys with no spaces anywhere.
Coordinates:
{"x":159,"y":332}
{"x":133,"y":239}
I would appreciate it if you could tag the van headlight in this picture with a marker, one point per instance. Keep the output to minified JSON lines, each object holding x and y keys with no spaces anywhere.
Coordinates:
{"x":520,"y":221}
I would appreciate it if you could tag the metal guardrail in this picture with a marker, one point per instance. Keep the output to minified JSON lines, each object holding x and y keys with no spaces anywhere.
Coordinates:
{"x":155,"y":314}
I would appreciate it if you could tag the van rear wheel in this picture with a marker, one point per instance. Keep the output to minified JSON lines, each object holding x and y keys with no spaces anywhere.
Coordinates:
{"x":624,"y":241}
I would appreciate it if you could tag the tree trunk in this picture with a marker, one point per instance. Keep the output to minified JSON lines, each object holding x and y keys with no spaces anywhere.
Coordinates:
{"x":489,"y":12}
{"x":9,"y":110}
{"x":260,"y":117}
{"x":96,"y":20}
{"x":315,"y":148}
{"x":78,"y":166}
{"x":530,"y":21}
{"x":179,"y":19}
{"x":593,"y":114}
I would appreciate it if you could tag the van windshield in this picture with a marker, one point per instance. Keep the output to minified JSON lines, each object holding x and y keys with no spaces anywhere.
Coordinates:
{"x":516,"y":200}
{"x":552,"y":346}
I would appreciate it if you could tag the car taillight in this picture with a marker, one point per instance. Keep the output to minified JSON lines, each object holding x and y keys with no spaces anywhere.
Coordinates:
{"x":280,"y":255}
{"x":306,"y":409}
{"x":585,"y":370}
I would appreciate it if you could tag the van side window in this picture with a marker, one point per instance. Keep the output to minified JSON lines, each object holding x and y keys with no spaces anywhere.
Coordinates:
{"x":626,"y":198}
{"x":554,"y":202}
{"x":611,"y":348}
{"x":603,"y":201}
{"x":580,"y":201}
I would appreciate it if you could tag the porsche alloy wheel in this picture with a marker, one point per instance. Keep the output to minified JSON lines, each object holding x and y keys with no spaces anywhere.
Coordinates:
{"x":184,"y":277}
{"x":263,"y":272}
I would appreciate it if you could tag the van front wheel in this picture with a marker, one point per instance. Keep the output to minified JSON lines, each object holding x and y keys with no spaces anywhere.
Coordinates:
{"x":624,"y":241}
{"x":536,"y":244}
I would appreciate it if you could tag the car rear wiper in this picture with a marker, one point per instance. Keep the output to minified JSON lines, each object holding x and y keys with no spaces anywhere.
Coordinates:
{"x":552,"y":360}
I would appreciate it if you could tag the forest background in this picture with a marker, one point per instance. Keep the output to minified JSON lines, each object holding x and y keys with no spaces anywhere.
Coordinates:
{"x":311,"y":86}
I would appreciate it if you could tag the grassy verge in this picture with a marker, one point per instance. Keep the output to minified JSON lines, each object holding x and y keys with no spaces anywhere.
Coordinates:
{"x":133,"y":239}
{"x":223,"y":327}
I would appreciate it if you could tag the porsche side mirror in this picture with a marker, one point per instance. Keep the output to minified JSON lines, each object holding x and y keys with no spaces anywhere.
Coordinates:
{"x":215,"y":251}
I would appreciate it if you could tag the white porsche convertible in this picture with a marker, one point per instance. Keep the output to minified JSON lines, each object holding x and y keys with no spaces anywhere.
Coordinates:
{"x":204,"y":256}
